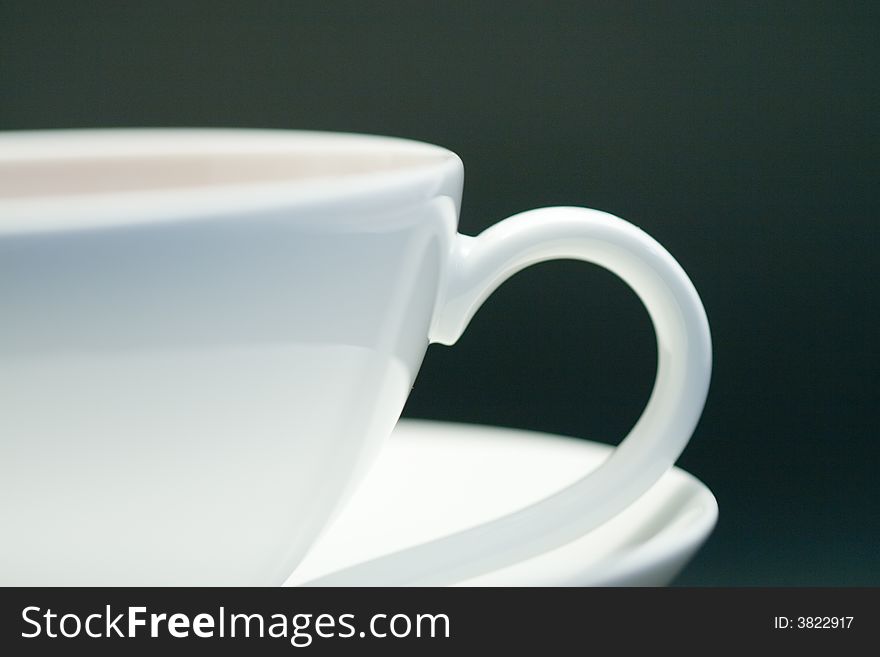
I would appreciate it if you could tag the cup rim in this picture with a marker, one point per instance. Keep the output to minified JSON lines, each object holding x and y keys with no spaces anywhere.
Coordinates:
{"x":429,"y":171}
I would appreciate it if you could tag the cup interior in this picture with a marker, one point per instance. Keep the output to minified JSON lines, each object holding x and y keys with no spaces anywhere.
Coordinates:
{"x":90,"y":162}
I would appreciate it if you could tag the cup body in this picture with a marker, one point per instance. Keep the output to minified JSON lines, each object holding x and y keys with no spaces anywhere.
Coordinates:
{"x":196,"y":363}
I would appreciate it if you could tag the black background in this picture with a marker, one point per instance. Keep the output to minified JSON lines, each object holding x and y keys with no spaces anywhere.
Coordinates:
{"x":743,"y":136}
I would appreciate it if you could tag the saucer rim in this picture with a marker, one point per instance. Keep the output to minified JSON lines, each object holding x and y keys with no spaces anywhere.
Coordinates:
{"x":668,"y":550}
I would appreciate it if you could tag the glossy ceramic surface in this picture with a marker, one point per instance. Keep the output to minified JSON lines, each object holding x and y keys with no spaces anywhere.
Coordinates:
{"x":208,"y":334}
{"x":421,"y":489}
{"x":193,"y":375}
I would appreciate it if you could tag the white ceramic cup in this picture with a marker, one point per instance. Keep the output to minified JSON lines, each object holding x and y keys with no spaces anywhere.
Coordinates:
{"x":205,"y":336}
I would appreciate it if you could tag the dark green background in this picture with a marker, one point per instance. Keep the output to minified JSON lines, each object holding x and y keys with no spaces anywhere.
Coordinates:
{"x":742,"y":136}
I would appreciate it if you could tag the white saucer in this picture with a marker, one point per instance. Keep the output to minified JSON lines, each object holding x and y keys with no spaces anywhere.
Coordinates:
{"x":435,"y":478}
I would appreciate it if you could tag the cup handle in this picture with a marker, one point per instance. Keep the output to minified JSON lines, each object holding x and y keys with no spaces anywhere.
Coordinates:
{"x":478,"y":266}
